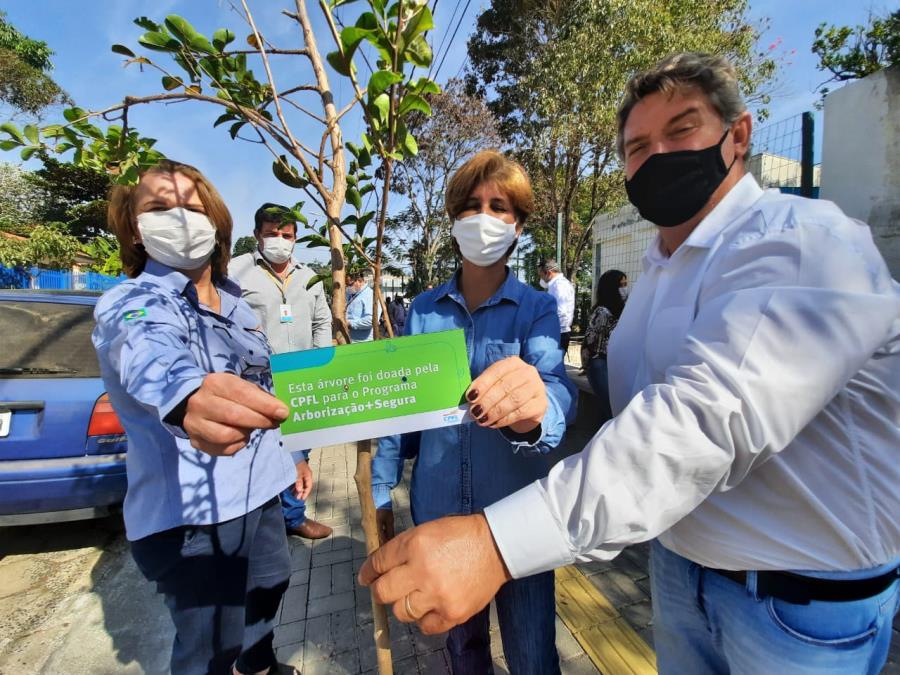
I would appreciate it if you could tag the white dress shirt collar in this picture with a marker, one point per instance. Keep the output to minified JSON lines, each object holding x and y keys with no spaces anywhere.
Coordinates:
{"x":741,"y":197}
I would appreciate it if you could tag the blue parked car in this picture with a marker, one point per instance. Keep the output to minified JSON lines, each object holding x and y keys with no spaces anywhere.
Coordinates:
{"x":62,"y":448}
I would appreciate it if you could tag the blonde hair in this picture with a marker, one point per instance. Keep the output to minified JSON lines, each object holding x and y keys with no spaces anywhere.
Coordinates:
{"x":490,"y":166}
{"x":711,"y":74}
{"x":122,"y":219}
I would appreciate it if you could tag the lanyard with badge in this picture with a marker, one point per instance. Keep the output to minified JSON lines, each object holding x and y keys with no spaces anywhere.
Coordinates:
{"x":285,"y":313}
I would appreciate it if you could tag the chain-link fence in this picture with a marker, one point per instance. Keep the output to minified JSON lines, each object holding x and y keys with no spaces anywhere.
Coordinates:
{"x":781,"y":156}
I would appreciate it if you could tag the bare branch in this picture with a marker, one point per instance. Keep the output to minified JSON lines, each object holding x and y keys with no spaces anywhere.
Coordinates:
{"x":296,"y":148}
{"x":295,"y":52}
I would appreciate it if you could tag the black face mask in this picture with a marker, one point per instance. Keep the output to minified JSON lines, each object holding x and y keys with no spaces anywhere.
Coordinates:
{"x":671,"y":187}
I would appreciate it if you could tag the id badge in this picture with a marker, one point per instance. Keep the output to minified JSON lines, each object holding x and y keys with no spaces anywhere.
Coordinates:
{"x":285,"y":314}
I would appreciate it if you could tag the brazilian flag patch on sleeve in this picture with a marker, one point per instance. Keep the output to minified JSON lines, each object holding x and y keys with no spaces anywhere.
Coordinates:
{"x":135,"y":314}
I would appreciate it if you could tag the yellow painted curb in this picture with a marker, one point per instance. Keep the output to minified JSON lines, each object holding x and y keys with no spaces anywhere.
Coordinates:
{"x":609,"y":641}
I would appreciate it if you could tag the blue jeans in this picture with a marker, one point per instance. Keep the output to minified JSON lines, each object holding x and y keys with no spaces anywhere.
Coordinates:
{"x":293,"y":509}
{"x":598,"y":376}
{"x":704,"y":622}
{"x":526,"y":611}
{"x":222,"y":584}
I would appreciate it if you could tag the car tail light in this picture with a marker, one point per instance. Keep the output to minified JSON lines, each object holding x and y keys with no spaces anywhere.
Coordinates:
{"x":104,"y":421}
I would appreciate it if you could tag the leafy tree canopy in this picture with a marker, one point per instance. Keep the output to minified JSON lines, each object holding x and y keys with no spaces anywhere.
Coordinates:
{"x":25,"y":85}
{"x":851,"y":53}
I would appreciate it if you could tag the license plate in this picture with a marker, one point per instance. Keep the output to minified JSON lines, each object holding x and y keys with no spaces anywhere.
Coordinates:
{"x":5,"y":422}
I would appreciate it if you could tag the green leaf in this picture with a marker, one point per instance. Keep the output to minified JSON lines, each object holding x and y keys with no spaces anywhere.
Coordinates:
{"x":424,"y":86}
{"x":298,"y":217}
{"x":28,"y":152}
{"x":354,"y":150}
{"x":8,"y":144}
{"x":170,"y":83}
{"x":13,"y":131}
{"x":287,"y":174}
{"x":420,"y":22}
{"x":352,"y":180}
{"x":227,"y":117}
{"x":336,"y":61}
{"x":366,"y":189}
{"x":338,"y":3}
{"x":408,"y":143}
{"x":52,"y":131}
{"x":378,"y":6}
{"x":160,"y":42}
{"x":354,"y":198}
{"x":31,"y":133}
{"x":187,"y":34}
{"x":367,"y":21}
{"x":381,"y":80}
{"x":419,"y":52}
{"x":381,"y":106}
{"x":351,"y":36}
{"x":72,"y":114}
{"x":414,"y":102}
{"x":235,"y":128}
{"x":147,"y":24}
{"x":123,"y":50}
{"x":222,"y":38}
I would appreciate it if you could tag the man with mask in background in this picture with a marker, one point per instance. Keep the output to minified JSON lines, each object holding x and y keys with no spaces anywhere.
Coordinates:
{"x":564,"y":293}
{"x":755,"y":378}
{"x":294,"y":318}
{"x":360,"y":301}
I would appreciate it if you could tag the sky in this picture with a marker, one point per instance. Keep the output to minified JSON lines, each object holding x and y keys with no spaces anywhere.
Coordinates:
{"x":80,"y":33}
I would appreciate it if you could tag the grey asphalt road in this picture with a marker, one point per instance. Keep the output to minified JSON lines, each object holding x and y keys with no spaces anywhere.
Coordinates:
{"x":72,"y":601}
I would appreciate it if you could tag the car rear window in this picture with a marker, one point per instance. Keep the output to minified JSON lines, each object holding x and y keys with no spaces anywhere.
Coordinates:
{"x":46,"y":340}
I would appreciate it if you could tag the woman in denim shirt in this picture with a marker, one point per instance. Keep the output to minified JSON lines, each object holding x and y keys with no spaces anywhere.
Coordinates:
{"x":187,"y":373}
{"x":521,"y":403}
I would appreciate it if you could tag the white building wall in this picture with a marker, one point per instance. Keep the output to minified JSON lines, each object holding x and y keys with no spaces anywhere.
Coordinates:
{"x":861,"y":157}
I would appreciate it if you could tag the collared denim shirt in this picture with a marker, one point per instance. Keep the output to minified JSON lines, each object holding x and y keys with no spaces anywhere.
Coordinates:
{"x":155,"y":344}
{"x":359,"y":314}
{"x":462,"y":469}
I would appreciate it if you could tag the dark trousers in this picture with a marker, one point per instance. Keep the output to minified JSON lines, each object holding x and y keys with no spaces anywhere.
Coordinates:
{"x":564,"y":342}
{"x":526,"y":612}
{"x":222,"y":584}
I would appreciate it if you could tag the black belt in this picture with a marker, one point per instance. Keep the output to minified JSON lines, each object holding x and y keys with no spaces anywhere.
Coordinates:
{"x":800,"y":590}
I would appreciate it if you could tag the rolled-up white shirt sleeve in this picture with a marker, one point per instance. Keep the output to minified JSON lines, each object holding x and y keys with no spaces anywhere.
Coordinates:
{"x":779,"y":331}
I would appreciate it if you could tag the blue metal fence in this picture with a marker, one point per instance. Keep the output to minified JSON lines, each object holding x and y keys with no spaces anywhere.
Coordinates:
{"x":41,"y":279}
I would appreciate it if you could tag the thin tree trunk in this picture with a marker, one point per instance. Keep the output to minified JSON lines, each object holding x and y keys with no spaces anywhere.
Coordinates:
{"x":363,"y":479}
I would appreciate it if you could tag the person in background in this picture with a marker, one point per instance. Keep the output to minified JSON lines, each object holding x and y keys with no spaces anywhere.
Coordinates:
{"x":520,"y":408}
{"x":755,"y":380}
{"x":397,"y":310}
{"x":293,"y":318}
{"x":182,"y":359}
{"x":612,"y":290}
{"x":360,"y":300}
{"x":564,"y":293}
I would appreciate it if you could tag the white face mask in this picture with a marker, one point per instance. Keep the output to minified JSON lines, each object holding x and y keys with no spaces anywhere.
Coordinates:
{"x":277,"y":249}
{"x":544,"y":283}
{"x":623,"y":292}
{"x":180,"y":238}
{"x":483,"y":239}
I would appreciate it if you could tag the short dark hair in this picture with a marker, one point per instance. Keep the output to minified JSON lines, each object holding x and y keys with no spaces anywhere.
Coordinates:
{"x":271,"y":213}
{"x":711,"y":74}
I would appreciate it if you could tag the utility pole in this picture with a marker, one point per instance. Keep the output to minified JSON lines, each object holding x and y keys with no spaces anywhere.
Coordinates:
{"x":559,"y":238}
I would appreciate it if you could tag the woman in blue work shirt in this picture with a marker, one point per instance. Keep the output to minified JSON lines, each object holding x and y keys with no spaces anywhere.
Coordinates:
{"x":206,"y":528}
{"x":520,"y":403}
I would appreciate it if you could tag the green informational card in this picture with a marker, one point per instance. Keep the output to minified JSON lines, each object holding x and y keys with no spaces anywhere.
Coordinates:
{"x":372,"y":389}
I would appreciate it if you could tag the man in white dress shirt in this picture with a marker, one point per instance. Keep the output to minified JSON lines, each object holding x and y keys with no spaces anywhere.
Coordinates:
{"x":755,"y":378}
{"x":564,"y":294}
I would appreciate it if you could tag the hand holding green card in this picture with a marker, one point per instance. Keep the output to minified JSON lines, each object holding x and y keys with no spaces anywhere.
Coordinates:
{"x":372,"y":389}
